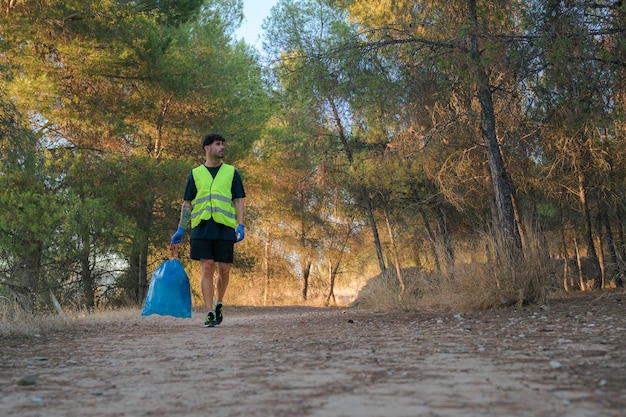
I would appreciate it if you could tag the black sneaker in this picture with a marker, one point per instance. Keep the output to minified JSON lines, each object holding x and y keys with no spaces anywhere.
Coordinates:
{"x":209,"y":321}
{"x":219,"y":316}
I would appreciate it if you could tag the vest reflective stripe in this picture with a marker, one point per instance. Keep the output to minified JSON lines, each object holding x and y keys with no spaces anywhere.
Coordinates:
{"x":214,"y":198}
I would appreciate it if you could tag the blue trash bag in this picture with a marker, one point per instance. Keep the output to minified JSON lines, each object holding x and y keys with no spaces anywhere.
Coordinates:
{"x":169,"y":293}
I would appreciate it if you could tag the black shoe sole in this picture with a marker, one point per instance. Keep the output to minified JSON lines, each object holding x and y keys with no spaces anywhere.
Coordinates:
{"x":218,"y":319}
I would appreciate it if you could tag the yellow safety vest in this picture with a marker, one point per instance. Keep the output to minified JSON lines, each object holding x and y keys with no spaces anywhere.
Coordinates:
{"x":214,"y":198}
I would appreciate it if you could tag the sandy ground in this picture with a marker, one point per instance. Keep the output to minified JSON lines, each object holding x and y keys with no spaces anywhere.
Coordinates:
{"x":564,"y":359}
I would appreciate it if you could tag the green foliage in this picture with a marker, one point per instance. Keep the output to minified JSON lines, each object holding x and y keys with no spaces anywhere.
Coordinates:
{"x":31,"y":211}
{"x":118,"y":95}
{"x":368,"y":113}
{"x":392,"y":96}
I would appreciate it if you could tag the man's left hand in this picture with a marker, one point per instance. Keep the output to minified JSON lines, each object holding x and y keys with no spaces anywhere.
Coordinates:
{"x":239,"y":232}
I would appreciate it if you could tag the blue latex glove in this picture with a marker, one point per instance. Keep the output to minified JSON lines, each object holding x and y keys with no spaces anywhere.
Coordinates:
{"x":239,"y":232}
{"x":178,"y":236}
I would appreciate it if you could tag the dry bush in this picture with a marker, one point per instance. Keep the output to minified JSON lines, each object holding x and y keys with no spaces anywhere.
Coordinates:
{"x":379,"y":292}
{"x":466,"y":286}
{"x":385,"y":292}
{"x":500,"y":283}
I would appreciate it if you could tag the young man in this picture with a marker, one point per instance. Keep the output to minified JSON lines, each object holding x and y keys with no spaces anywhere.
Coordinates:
{"x":213,"y":201}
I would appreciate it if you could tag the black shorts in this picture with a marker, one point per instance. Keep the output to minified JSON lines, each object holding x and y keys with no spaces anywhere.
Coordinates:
{"x":218,"y":250}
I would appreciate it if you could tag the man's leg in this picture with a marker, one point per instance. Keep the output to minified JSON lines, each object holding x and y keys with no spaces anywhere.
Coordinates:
{"x":224,"y":251}
{"x":223,"y":276}
{"x":207,"y":284}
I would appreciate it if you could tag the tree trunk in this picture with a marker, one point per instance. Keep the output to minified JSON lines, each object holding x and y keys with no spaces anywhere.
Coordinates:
{"x":518,"y":220}
{"x":567,"y":277}
{"x":601,"y":261}
{"x":535,"y":225}
{"x":266,"y":269}
{"x":565,"y":254}
{"x":621,"y":242}
{"x":591,"y":250}
{"x":142,"y":275}
{"x":394,"y":252}
{"x":431,"y":239}
{"x":57,"y":305}
{"x":377,"y":243}
{"x":85,"y":265}
{"x":10,"y":6}
{"x":140,"y":250}
{"x":306,"y":271}
{"x":507,"y":230}
{"x":27,"y":275}
{"x":363,"y":190}
{"x":442,"y":227}
{"x":607,"y":230}
{"x":138,"y":271}
{"x":581,"y":278}
{"x":87,"y":281}
{"x":332,"y":272}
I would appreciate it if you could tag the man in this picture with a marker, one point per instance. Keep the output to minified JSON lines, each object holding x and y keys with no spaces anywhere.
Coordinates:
{"x":213,"y":201}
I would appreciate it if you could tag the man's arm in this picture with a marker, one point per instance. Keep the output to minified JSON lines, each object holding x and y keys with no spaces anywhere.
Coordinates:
{"x":239,"y":231}
{"x":185,"y":214}
{"x":240,"y":210}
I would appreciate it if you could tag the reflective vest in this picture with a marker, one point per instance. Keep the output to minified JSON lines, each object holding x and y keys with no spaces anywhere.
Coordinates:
{"x":214,"y":198}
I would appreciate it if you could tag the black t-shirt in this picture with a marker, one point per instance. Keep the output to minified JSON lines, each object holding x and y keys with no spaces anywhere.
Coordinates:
{"x":209,"y":229}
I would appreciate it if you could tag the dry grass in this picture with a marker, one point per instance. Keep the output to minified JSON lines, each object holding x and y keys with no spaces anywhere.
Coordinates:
{"x":16,"y":323}
{"x":464,"y":287}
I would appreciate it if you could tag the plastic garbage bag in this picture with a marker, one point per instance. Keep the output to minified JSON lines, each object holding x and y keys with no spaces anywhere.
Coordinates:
{"x":169,"y":293}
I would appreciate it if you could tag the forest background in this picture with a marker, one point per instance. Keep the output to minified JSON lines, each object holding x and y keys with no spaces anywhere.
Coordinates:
{"x":467,"y":153}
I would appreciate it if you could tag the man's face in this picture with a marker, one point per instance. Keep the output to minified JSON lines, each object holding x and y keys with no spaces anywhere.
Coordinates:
{"x":216,"y":149}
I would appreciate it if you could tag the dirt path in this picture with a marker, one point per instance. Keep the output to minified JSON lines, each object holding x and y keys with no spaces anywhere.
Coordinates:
{"x":568,"y":359}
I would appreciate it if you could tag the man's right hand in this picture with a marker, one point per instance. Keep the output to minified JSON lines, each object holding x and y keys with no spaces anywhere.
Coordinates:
{"x":178,"y":236}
